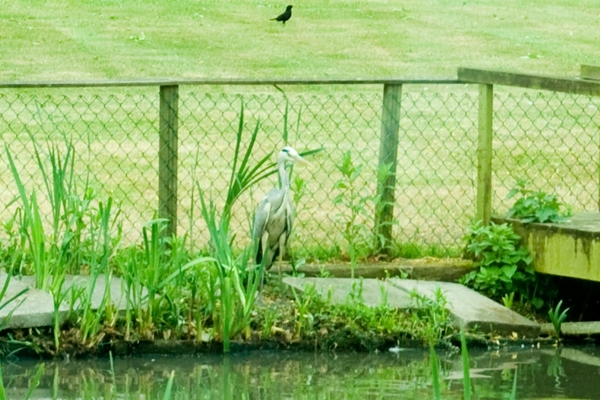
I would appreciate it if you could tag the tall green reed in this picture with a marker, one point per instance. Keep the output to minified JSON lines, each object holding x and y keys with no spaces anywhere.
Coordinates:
{"x":233,"y":285}
{"x":5,"y":303}
{"x":32,"y":228}
{"x":82,"y":234}
{"x":158,"y":282}
{"x":435,"y":372}
{"x":464,"y":351}
{"x":93,"y":315}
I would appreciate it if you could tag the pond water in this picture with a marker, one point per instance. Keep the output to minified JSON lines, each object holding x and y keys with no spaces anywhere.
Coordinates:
{"x":572,"y":373}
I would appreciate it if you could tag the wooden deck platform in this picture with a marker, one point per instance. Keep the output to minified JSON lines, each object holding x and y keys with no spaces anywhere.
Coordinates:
{"x":570,"y":248}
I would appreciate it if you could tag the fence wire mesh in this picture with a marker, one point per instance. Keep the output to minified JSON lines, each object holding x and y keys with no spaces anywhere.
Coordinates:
{"x":548,"y":138}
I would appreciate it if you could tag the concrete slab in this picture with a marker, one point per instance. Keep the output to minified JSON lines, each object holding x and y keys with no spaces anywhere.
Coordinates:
{"x":340,"y":288}
{"x":35,"y":308}
{"x":117,"y":292}
{"x":468,"y":308}
{"x":471,"y":309}
{"x":574,"y":328}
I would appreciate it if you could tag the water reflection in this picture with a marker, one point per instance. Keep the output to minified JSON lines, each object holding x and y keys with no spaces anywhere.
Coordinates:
{"x":259,"y":375}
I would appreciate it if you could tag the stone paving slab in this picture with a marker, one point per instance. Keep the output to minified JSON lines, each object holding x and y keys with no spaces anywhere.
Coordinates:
{"x":117,"y":293}
{"x":340,"y":288}
{"x":468,"y":308}
{"x":35,"y":308}
{"x":574,"y":328}
{"x":471,"y":309}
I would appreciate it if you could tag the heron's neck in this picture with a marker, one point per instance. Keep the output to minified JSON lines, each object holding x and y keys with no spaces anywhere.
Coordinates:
{"x":283,"y":175}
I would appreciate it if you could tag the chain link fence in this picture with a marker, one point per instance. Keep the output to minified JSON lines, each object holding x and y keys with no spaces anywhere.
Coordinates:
{"x":551,"y":140}
{"x":548,"y":138}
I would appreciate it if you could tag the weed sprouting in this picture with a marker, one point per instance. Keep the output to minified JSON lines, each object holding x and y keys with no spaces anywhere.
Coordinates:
{"x":354,"y":206}
{"x":430,"y":316}
{"x":536,"y":206}
{"x":557,"y":317}
{"x":508,"y":300}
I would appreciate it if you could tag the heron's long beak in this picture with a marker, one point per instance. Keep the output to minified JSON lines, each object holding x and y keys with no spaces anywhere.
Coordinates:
{"x":302,"y":160}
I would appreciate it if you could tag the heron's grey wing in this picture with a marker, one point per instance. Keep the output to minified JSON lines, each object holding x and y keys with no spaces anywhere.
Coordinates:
{"x":269,"y":206}
{"x":261,"y":218}
{"x":289,"y":219}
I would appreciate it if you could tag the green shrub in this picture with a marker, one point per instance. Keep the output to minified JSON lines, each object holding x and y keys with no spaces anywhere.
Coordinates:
{"x":503,"y":265}
{"x":536,"y":206}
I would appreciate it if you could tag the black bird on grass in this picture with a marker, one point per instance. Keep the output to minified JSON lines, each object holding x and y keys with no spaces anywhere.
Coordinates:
{"x":287,"y":14}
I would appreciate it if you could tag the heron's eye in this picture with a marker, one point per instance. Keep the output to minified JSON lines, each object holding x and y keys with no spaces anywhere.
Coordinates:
{"x":285,"y":150}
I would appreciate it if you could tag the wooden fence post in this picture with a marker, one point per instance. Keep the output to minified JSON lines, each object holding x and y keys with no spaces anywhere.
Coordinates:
{"x":484,"y":153}
{"x":388,"y":156}
{"x":167,"y":156}
{"x":591,"y":72}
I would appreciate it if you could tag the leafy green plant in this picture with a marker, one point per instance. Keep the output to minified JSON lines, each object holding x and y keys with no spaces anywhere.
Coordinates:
{"x":503,"y":265}
{"x":557,"y":317}
{"x":430,"y":318}
{"x":358,"y":208}
{"x":355,"y":205}
{"x":508,"y":300}
{"x":536,"y":206}
{"x":381,"y":242}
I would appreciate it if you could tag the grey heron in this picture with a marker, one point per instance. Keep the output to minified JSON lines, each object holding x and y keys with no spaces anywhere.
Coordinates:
{"x":275,"y":215}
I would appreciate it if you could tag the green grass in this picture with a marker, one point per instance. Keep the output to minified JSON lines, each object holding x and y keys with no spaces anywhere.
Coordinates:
{"x":117,"y":39}
{"x":549,"y":139}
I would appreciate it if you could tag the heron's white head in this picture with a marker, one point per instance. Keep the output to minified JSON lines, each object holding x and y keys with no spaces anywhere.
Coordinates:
{"x":290,"y":154}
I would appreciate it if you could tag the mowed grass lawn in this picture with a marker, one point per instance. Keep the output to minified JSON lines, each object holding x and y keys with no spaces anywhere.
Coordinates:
{"x":58,"y":40}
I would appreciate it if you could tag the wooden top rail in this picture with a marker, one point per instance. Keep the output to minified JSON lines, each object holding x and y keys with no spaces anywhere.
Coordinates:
{"x":568,"y":85}
{"x":590,"y":72}
{"x":224,"y":82}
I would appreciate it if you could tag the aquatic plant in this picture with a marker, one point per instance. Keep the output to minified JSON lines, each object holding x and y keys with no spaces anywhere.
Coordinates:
{"x":464,"y":351}
{"x":435,"y":373}
{"x":557,"y":317}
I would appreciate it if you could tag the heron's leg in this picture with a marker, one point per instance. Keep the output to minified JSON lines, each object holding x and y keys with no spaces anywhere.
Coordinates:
{"x":265,"y":250}
{"x":282,"y":240}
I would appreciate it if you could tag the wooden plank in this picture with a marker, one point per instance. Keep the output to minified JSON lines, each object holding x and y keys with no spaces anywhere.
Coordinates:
{"x":388,"y":155}
{"x":567,"y":85}
{"x":221,"y":82}
{"x":484,"y":153}
{"x":167,"y":156}
{"x":570,"y":248}
{"x":590,"y":72}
